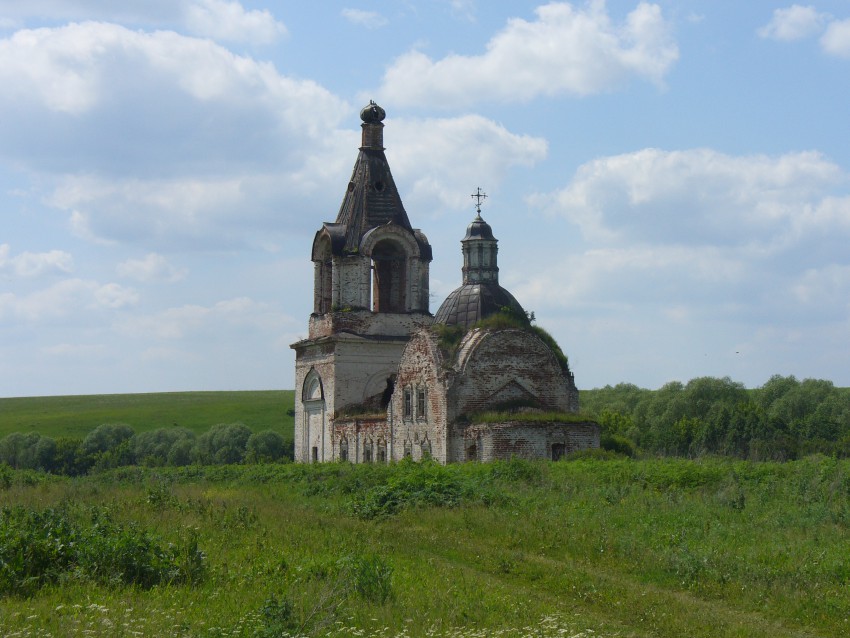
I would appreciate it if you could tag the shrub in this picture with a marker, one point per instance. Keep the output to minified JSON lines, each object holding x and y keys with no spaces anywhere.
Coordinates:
{"x":617,"y":444}
{"x":265,"y":447}
{"x":39,"y":548}
{"x":593,"y":453}
{"x":153,"y":448}
{"x":68,"y":459}
{"x":277,"y":617}
{"x":106,"y":437}
{"x":426,"y":483}
{"x":370,"y":576}
{"x":30,"y":451}
{"x":222,"y":443}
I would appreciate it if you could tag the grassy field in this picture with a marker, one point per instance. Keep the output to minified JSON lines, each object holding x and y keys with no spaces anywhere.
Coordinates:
{"x":76,"y":416}
{"x":662,"y":548}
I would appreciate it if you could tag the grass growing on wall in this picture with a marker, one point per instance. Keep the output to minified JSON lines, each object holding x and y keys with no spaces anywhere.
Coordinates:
{"x":520,"y":416}
{"x":583,"y":548}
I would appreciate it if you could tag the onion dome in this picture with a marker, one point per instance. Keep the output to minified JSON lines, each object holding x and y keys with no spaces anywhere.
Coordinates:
{"x":372,"y":113}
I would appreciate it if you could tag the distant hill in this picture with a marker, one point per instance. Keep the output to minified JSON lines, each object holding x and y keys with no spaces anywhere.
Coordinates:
{"x":75,"y":416}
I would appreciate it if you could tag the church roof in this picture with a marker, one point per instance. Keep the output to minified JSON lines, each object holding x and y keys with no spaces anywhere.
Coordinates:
{"x":469,"y":304}
{"x":372,"y":198}
{"x":480,"y":295}
{"x":478,"y":229}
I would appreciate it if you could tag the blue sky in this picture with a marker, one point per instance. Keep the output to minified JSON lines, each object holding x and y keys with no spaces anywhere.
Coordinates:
{"x":669,"y":181}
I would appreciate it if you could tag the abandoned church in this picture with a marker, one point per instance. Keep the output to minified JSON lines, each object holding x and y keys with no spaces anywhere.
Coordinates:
{"x":380,"y":378}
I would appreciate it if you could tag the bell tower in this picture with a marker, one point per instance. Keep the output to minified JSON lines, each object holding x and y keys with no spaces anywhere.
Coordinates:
{"x":370,"y":291}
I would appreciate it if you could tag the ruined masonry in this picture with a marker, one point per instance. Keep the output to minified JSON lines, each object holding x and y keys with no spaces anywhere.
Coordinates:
{"x":379,"y":378}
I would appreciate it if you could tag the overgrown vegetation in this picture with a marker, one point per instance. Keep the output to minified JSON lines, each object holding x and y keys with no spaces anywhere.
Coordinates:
{"x":113,"y":445}
{"x":52,"y":545}
{"x":784,"y":419}
{"x":450,"y":337}
{"x":665,"y":548}
{"x":529,"y":416}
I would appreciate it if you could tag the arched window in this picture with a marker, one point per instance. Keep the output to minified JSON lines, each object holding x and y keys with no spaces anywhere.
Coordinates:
{"x":389,"y":277}
{"x":312,"y":390}
{"x":420,"y":403}
{"x":408,"y":402}
{"x":367,"y":451}
{"x":343,"y":449}
{"x":382,"y":451}
{"x":313,"y":417}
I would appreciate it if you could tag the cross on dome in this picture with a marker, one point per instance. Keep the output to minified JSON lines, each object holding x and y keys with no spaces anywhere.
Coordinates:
{"x":478,"y":195}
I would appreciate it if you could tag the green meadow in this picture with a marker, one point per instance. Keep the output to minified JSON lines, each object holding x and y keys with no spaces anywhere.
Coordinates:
{"x":583,"y":547}
{"x":594,"y":546}
{"x":76,"y":416}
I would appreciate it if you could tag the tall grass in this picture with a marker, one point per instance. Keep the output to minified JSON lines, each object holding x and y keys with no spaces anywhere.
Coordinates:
{"x":603,"y":548}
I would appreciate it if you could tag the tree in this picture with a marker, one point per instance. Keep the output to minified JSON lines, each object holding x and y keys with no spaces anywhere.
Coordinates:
{"x":106,"y":437}
{"x":265,"y":447}
{"x":222,"y":443}
{"x":154,"y":447}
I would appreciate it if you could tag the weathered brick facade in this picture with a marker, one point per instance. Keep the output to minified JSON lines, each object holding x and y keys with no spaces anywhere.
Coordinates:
{"x":373,"y":381}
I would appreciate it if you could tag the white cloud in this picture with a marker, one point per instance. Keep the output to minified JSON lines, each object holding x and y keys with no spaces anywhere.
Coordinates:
{"x":734,"y":240}
{"x":153,"y":267}
{"x":368,"y":19}
{"x":204,"y":322}
{"x":823,"y":286}
{"x":29,"y":264}
{"x":565,"y":50}
{"x":836,"y":40}
{"x":75,"y":350}
{"x":440,"y":158}
{"x":436,"y":170}
{"x":701,"y":197}
{"x":797,"y":22}
{"x":69,"y":297}
{"x":227,"y":137}
{"x":216,"y":19}
{"x":229,"y":21}
{"x":81,"y":85}
{"x":793,"y":23}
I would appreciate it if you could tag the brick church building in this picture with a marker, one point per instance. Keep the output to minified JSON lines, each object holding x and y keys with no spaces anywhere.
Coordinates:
{"x":380,"y":378}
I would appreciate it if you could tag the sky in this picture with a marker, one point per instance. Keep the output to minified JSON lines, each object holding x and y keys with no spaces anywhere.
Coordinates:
{"x":669,"y":181}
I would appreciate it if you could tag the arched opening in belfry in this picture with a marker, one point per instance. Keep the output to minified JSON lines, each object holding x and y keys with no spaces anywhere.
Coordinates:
{"x":323,"y":278}
{"x":389,"y":277}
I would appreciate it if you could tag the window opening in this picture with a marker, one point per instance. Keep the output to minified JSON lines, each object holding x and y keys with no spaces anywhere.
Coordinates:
{"x":315,"y":454}
{"x":389,"y":270}
{"x":420,"y":403}
{"x":382,"y":451}
{"x":343,"y":449}
{"x":367,"y":451}
{"x":408,"y":403}
{"x":558,"y":450}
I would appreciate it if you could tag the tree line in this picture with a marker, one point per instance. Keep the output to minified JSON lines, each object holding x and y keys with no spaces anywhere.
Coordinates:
{"x":117,"y":444}
{"x":784,"y":419}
